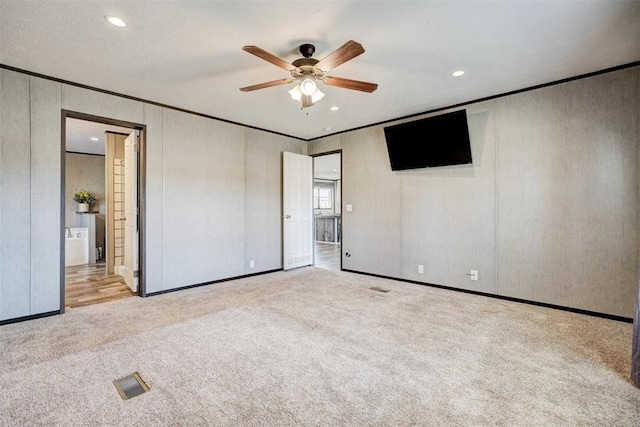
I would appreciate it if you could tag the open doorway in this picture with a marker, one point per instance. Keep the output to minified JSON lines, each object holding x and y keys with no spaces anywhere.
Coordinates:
{"x":327,"y":200}
{"x":101,"y":240}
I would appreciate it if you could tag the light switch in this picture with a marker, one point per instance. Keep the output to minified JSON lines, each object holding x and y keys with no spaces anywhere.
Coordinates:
{"x":349,"y":208}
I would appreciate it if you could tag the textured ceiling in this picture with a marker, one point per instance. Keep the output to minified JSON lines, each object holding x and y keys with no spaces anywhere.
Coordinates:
{"x":188,"y":53}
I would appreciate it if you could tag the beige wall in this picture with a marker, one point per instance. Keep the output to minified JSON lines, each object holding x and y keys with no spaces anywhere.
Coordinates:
{"x":83,"y":172}
{"x":206,"y":216}
{"x":548,"y":211}
{"x":568,"y":193}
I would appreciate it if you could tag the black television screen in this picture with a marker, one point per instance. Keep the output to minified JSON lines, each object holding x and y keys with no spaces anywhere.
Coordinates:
{"x":435,"y":141}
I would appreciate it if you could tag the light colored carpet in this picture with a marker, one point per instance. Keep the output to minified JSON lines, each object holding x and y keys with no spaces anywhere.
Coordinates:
{"x":317,"y":347}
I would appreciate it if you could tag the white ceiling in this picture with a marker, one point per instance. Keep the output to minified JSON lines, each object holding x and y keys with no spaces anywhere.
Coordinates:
{"x":327,"y":166}
{"x":188,"y":53}
{"x":82,"y":136}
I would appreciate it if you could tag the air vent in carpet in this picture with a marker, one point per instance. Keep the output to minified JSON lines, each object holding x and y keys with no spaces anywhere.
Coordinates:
{"x":131,"y":386}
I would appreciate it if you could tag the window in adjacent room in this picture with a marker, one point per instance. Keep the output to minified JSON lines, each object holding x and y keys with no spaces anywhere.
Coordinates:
{"x":322,"y":197}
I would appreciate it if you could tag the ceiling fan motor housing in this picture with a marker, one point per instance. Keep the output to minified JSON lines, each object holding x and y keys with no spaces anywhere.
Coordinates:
{"x":305,"y":67}
{"x":307,"y":50}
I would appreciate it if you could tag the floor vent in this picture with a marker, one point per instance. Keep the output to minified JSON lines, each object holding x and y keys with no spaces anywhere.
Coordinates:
{"x":131,"y":386}
{"x":379,"y":289}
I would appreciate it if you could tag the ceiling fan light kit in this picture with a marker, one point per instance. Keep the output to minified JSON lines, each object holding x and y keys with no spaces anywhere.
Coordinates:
{"x":308,"y":86}
{"x":317,"y":96}
{"x":296,"y":93}
{"x":306,"y":71}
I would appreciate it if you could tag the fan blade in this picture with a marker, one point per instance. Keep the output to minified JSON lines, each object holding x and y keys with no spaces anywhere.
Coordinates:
{"x":260,"y":53}
{"x":350,"y":84}
{"x":266,"y":84}
{"x":344,"y":53}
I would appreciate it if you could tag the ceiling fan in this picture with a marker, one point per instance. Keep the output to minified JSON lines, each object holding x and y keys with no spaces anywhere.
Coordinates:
{"x":308,"y":70}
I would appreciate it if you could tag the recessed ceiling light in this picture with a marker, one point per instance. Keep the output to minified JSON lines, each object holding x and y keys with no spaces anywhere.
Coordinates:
{"x":94,"y":139}
{"x":457,"y":73}
{"x":334,"y":108}
{"x":116,"y":21}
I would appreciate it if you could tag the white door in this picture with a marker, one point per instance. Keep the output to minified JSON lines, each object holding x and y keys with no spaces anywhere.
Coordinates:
{"x":131,"y":211}
{"x":297,"y":210}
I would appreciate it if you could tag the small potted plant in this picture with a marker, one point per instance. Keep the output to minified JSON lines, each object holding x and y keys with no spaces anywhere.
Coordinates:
{"x":84,"y":199}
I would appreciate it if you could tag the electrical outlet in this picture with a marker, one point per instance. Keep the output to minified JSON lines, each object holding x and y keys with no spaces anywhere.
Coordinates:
{"x":252,"y":264}
{"x":473,"y":274}
{"x":420,"y":268}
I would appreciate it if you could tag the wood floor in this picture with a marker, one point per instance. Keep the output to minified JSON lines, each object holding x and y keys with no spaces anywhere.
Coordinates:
{"x":328,"y":255}
{"x":90,"y":284}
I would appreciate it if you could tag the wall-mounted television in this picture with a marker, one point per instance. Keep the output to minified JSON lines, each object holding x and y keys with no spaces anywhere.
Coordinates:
{"x":441,"y":140}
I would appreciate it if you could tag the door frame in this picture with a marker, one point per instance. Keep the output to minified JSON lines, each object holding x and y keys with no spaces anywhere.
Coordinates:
{"x":142,"y":161}
{"x":326,"y":153}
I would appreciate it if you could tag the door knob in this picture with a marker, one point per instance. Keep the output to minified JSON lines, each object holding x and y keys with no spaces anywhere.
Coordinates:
{"x":287,"y":216}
